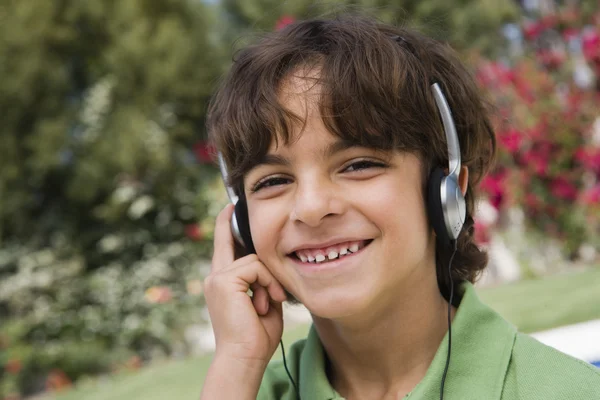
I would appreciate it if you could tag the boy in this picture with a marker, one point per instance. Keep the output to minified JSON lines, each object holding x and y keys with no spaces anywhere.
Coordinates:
{"x":336,"y":148}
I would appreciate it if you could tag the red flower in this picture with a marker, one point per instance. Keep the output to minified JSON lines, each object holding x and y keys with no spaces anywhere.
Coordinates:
{"x":536,"y":160}
{"x":493,"y":185}
{"x":284,"y":21}
{"x":563,"y":189}
{"x":570,"y":33}
{"x":549,"y":21}
{"x":494,"y":74}
{"x":591,"y":44}
{"x":482,"y":233}
{"x":538,"y":131}
{"x":524,"y":89}
{"x":533,"y":202}
{"x":57,"y":380}
{"x":592,"y":195}
{"x":551,"y":59}
{"x":13,"y":366}
{"x":511,"y":140}
{"x":533,"y":29}
{"x":590,"y":159}
{"x":194,"y":232}
{"x":204,"y":152}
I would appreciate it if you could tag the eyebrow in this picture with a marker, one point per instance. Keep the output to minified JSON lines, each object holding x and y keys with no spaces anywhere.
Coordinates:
{"x":329,"y":151}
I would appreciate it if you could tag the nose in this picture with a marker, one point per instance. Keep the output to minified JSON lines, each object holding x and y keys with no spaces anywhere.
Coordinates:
{"x":315,"y":200}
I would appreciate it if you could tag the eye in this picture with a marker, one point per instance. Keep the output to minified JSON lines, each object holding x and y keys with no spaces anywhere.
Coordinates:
{"x":362,"y":165}
{"x":269,"y":182}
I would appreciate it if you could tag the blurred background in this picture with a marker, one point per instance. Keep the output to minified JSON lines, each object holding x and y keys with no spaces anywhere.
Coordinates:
{"x":108,"y":188}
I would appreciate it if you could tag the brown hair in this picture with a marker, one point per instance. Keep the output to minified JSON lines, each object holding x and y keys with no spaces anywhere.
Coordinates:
{"x":375,"y":92}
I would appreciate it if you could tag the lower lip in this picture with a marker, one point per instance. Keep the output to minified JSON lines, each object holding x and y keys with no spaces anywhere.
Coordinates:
{"x":338,"y":263}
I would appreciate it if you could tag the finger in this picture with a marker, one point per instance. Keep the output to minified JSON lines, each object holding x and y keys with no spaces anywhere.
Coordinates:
{"x":223,"y":244}
{"x":260,"y":299}
{"x":256,"y":272}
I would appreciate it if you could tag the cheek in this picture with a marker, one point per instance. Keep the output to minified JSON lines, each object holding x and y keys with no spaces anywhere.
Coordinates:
{"x":266,"y":222}
{"x":402,"y":215}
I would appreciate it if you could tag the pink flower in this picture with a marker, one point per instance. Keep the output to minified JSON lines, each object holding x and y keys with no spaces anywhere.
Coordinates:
{"x":524,"y":89}
{"x":590,"y":159}
{"x":549,"y":21}
{"x":493,"y":185}
{"x":551,"y":59}
{"x":570,"y":33}
{"x":511,"y":140}
{"x":533,"y":202}
{"x":532,"y":29}
{"x":563,"y":189}
{"x":591,"y":44}
{"x":536,"y":160}
{"x":284,"y":21}
{"x":538,"y":131}
{"x":494,"y":74}
{"x":482,"y":233}
{"x":204,"y":152}
{"x":592,"y":195}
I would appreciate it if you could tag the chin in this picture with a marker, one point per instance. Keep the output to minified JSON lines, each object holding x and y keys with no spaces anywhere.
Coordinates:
{"x":335,"y":303}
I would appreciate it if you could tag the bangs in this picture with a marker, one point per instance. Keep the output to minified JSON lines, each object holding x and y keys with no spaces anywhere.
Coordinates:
{"x":368,"y":93}
{"x":373,"y":91}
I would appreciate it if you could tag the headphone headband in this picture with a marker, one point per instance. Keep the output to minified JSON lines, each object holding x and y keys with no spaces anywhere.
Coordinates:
{"x":233,"y":198}
{"x":449,"y":130}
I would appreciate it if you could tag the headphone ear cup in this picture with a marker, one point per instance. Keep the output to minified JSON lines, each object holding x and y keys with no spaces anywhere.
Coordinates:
{"x":435,"y":210}
{"x":243,"y":223}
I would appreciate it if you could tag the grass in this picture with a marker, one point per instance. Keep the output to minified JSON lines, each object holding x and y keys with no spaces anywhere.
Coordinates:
{"x":540,"y":304}
{"x":531,"y":305}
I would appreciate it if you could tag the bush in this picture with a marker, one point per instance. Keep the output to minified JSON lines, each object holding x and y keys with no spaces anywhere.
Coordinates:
{"x":548,"y":127}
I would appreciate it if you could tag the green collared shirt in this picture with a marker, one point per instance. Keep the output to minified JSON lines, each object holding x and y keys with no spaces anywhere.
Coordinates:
{"x":490,"y":360}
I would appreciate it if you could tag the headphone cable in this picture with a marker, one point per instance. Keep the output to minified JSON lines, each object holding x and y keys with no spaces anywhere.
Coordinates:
{"x":288,"y":371}
{"x":454,"y":242}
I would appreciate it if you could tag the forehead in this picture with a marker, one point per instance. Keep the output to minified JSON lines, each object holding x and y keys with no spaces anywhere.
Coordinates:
{"x":301,"y":94}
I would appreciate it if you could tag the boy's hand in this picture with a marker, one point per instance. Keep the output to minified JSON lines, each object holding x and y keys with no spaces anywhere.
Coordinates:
{"x":247,"y":329}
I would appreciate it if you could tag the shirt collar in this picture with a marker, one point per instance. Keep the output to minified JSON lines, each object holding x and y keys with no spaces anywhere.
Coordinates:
{"x":482,"y":344}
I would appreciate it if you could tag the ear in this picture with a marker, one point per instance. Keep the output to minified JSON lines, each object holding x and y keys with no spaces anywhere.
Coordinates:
{"x":463,"y":179}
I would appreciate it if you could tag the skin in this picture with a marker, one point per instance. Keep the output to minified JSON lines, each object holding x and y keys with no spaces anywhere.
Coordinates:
{"x":385,"y":296}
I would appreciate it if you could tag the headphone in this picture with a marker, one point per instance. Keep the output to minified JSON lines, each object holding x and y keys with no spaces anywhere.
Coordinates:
{"x":445,"y":202}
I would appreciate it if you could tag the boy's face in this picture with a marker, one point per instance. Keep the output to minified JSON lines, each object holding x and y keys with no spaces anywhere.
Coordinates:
{"x":314,"y":199}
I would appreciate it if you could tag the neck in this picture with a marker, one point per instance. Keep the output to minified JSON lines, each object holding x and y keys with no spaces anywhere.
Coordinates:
{"x":386,"y":351}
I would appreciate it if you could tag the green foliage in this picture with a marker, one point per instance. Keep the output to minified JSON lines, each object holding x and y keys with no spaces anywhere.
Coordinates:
{"x":103,"y":177}
{"x":463,"y":23}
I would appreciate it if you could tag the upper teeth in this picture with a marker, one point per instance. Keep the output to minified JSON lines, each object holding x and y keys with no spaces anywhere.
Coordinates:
{"x":320,"y":255}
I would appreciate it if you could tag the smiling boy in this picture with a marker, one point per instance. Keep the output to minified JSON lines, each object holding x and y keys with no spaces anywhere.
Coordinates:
{"x":330,"y":133}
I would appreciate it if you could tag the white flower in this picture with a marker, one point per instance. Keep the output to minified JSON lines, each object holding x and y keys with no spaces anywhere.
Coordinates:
{"x":109,"y":243}
{"x":140,"y":207}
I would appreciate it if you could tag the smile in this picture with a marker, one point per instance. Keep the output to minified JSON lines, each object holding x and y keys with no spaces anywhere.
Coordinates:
{"x":330,"y":253}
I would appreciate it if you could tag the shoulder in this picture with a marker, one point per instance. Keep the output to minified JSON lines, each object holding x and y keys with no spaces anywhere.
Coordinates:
{"x":537,"y":371}
{"x":276,"y":383}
